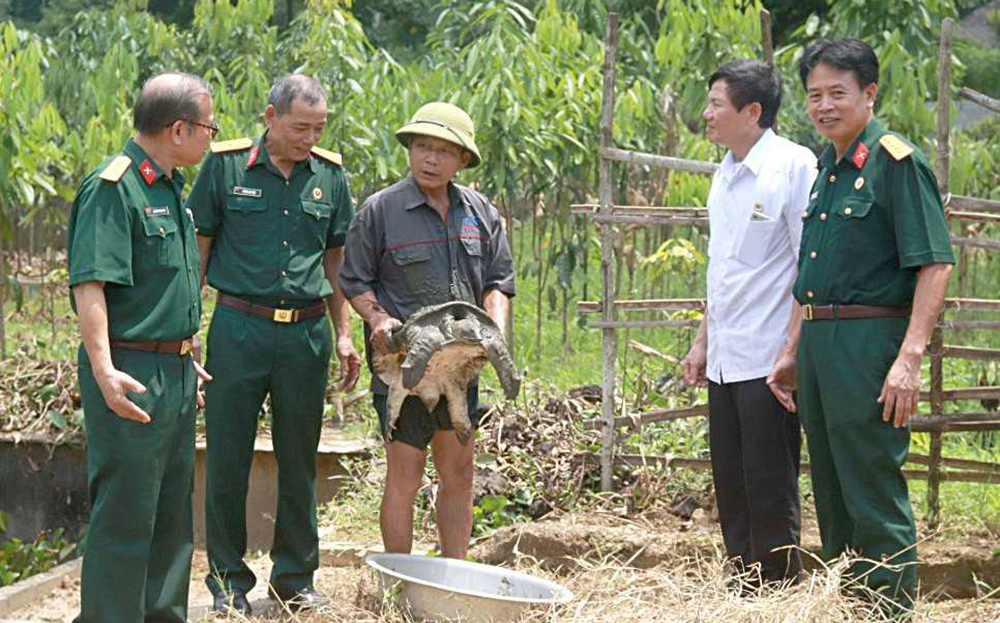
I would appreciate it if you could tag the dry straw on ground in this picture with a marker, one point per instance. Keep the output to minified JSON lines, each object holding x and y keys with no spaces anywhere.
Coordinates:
{"x":685,"y":590}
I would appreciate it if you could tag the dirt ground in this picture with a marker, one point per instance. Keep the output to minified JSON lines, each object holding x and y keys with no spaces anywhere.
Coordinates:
{"x":624,"y":570}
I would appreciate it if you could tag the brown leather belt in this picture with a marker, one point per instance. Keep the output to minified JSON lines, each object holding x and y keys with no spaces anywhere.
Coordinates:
{"x":852,"y":312}
{"x":277,"y":315}
{"x":181,"y":348}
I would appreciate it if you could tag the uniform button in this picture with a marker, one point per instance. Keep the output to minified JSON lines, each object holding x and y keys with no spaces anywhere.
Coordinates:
{"x":809,"y":294}
{"x":281,"y":302}
{"x":284,"y":274}
{"x":163,"y":231}
{"x":284,"y":243}
{"x":285,"y":211}
{"x":833,"y":178}
{"x":813,"y":255}
{"x":847,"y":211}
{"x":822,"y":216}
{"x":805,"y":215}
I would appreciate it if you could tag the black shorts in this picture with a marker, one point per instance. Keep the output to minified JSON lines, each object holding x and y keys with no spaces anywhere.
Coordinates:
{"x":416,"y":426}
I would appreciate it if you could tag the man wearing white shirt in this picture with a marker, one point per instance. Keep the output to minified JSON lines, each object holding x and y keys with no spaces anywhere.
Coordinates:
{"x":755,"y":209}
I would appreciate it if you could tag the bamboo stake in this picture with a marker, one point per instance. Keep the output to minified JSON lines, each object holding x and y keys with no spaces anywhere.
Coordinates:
{"x":972,"y":204}
{"x":609,"y":336}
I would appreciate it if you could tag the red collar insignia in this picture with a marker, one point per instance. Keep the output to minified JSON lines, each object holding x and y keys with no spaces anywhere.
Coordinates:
{"x":148,"y":172}
{"x":253,"y":156}
{"x":860,"y":156}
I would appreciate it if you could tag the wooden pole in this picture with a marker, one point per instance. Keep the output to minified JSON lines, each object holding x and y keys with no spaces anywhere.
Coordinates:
{"x":942,"y":171}
{"x":767,"y":39}
{"x":609,"y":335}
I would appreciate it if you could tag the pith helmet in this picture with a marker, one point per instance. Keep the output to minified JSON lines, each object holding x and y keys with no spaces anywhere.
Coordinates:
{"x":444,"y":121}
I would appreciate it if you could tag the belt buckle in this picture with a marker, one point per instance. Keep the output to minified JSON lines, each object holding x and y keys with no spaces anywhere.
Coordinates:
{"x":807,"y":312}
{"x":283,"y":315}
{"x":186,"y":346}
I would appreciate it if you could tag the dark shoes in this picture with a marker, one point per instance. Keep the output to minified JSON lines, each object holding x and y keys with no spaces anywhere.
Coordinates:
{"x":232,"y":602}
{"x":302,"y":600}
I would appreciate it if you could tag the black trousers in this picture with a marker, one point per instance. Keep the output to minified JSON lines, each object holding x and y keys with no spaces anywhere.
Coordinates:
{"x":756,"y":447}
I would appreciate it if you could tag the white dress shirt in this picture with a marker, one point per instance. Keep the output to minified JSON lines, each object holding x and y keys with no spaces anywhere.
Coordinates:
{"x":755,"y":212}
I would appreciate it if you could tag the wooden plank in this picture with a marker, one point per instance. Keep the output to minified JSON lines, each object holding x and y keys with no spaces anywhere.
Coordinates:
{"x":969,"y":324}
{"x":767,"y":37}
{"x":971,"y":352}
{"x":973,"y":216}
{"x":590,"y":208}
{"x":639,"y":460}
{"x":958,"y":304}
{"x":660,"y":415}
{"x":965,"y":393}
{"x":609,"y":338}
{"x":649,"y":351}
{"x":655,"y":160}
{"x":972,"y":204}
{"x":641,"y":324}
{"x":37,"y":587}
{"x":591,"y":307}
{"x":971,"y":427}
{"x":983,"y":466}
{"x":701,"y":221}
{"x":931,"y":421}
{"x":979,"y":243}
{"x":983,"y":100}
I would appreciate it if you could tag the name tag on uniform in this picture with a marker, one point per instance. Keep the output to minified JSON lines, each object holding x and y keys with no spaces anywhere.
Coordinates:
{"x":246,"y":192}
{"x":157,"y":211}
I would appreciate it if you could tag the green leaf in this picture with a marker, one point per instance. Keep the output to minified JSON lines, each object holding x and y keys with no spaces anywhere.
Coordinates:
{"x":57,"y":419}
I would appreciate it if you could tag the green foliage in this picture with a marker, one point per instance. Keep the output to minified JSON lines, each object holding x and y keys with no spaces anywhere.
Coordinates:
{"x":993,"y":18}
{"x":20,"y":560}
{"x":982,"y":66}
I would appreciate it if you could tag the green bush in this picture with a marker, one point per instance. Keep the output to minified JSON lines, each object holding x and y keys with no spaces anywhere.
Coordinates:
{"x":982,"y":66}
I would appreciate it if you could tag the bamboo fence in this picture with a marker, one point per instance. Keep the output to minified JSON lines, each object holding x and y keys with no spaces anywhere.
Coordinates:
{"x":957,"y":208}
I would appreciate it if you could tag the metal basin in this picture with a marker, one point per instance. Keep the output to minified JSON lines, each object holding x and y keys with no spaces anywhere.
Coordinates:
{"x":444,"y":589}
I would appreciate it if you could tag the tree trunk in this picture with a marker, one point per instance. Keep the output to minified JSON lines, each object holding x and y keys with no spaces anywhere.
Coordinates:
{"x":3,"y":298}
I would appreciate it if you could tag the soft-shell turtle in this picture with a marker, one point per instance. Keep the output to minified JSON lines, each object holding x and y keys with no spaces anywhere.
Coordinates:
{"x":439,"y":351}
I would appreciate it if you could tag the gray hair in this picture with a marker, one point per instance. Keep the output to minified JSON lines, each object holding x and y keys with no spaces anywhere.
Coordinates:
{"x":167,"y":97}
{"x":295,"y":87}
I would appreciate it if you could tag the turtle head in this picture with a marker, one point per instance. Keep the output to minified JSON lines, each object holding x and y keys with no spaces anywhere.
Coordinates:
{"x":467,"y":330}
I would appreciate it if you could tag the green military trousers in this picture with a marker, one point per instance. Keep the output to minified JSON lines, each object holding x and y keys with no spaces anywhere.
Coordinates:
{"x":250,"y":357}
{"x":862,"y":501}
{"x":137,"y":557}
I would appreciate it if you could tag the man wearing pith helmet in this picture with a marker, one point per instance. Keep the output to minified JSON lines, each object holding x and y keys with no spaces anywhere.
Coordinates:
{"x":873,"y":270}
{"x":424,"y":241}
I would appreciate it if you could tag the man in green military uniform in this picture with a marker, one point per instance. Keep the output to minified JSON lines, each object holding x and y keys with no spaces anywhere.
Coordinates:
{"x":133,"y":265}
{"x":272,"y":215}
{"x":873,"y":272}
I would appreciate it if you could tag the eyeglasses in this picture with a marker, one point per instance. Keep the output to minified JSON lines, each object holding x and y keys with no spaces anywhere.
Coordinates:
{"x":213,"y":128}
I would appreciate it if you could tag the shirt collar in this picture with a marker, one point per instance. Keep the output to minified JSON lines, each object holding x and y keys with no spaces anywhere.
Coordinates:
{"x":869,"y":136}
{"x":753,"y":161}
{"x":259,"y":155}
{"x":413,"y":197}
{"x":141,"y":160}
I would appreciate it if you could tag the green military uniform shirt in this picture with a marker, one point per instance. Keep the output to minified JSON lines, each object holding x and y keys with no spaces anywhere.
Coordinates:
{"x":128,"y":229}
{"x":873,"y":219}
{"x":269,"y":233}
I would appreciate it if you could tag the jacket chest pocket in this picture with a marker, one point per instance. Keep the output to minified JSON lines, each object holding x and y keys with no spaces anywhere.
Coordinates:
{"x":244,"y":218}
{"x":413,"y":264}
{"x":314,"y":221}
{"x":161,"y":237}
{"x":855,"y":222}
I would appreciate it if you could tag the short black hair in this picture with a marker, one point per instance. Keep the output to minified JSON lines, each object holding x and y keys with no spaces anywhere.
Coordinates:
{"x":847,"y":54}
{"x":295,"y":87}
{"x":166,"y":98}
{"x":749,"y":81}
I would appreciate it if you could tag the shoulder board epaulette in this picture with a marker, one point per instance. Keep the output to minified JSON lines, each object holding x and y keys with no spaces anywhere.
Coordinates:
{"x":116,"y":169}
{"x":237,"y":144}
{"x":327,"y":155}
{"x":895,"y":146}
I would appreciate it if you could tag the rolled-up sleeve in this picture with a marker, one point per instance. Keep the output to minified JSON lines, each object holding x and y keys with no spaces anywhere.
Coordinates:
{"x":362,"y":251}
{"x":499,"y":269}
